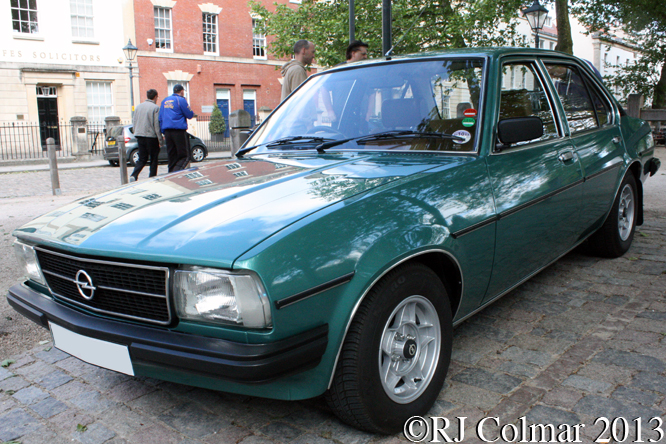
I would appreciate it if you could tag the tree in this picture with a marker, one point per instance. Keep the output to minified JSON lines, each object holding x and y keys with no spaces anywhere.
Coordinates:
{"x":217,"y":125}
{"x":442,"y":24}
{"x":564,"y":40}
{"x":644,"y":23}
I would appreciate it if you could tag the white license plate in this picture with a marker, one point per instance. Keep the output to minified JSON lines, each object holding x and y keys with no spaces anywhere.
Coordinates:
{"x":93,"y":351}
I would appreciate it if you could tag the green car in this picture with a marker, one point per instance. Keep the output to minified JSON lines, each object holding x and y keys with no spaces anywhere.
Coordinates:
{"x":379,"y":206}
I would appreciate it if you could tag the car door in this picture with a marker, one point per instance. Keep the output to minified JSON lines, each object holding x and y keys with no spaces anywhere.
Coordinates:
{"x":537,"y":184}
{"x":596,"y":137}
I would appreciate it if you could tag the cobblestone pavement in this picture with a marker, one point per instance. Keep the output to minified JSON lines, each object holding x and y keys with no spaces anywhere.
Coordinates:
{"x":584,"y":339}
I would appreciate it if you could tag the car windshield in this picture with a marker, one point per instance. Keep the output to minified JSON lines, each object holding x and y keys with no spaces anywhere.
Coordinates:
{"x":406,"y":98}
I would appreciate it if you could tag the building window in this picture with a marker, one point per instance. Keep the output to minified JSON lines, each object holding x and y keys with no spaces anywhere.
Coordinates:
{"x":24,"y":16}
{"x":100,"y":101}
{"x":82,"y":18}
{"x":163,"y":29}
{"x":210,"y":32}
{"x":172,"y":83}
{"x":258,"y":41}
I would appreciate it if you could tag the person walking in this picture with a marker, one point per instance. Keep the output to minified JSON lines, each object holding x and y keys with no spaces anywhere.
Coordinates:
{"x":148,"y":134}
{"x":294,"y":72}
{"x":174,"y":113}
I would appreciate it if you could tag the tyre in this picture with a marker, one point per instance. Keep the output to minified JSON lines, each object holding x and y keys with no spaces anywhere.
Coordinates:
{"x":134,"y":157}
{"x":396,"y":354}
{"x":614,"y":237}
{"x":198,"y":154}
{"x":113,"y":163}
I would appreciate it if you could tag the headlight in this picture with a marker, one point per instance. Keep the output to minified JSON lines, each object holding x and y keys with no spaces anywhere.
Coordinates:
{"x":212,"y":295}
{"x":27,"y":259}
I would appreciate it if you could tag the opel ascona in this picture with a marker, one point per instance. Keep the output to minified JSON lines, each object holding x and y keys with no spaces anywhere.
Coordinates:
{"x":380,"y":205}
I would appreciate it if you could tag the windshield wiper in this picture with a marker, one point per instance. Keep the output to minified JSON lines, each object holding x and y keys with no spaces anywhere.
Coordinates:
{"x":283,"y":141}
{"x":398,"y":134}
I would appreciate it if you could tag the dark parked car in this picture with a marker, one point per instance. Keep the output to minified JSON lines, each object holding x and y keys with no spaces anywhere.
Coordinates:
{"x":380,"y":205}
{"x":198,"y":149}
{"x":660,"y":136}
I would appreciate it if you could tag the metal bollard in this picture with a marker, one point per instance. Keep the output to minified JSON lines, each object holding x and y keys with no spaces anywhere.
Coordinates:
{"x":53,"y":166}
{"x":122,"y":160}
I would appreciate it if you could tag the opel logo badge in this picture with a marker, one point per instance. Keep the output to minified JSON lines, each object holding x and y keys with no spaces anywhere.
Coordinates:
{"x":85,"y":285}
{"x":412,"y":349}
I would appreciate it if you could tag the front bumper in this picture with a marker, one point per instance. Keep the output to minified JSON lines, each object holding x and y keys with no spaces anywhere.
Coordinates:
{"x":151,"y":347}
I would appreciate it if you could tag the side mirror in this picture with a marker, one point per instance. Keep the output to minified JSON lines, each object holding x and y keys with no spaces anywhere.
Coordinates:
{"x":518,"y":129}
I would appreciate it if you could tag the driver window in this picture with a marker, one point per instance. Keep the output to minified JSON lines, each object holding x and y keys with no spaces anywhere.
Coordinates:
{"x":522,"y":95}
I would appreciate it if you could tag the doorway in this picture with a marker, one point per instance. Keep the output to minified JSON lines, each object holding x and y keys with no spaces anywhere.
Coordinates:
{"x":47,"y":109}
{"x":250,"y":105}
{"x":222,"y":96}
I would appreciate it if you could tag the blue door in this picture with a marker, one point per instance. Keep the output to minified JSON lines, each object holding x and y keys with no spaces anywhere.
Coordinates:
{"x":223,"y":104}
{"x":248,"y":105}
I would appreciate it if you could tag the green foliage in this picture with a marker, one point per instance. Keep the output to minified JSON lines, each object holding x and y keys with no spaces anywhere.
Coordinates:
{"x":443,"y":24}
{"x":644,"y":24}
{"x":217,"y":124}
{"x":81,"y":428}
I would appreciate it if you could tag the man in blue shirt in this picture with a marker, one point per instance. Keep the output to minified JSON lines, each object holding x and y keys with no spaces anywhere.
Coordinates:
{"x":174,"y":113}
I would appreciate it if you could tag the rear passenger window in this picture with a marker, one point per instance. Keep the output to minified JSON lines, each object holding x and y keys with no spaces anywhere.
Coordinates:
{"x":576,"y":100}
{"x":522,"y":95}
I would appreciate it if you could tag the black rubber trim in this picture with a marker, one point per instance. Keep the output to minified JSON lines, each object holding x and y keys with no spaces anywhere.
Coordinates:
{"x":161,"y":348}
{"x":313,"y":291}
{"x":540,"y":199}
{"x":603,"y":171}
{"x":474,"y":227}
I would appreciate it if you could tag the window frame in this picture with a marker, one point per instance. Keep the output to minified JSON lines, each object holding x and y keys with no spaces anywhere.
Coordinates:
{"x":18,"y":8}
{"x":540,"y":74}
{"x":167,"y":40}
{"x":216,"y":33}
{"x":261,"y":46}
{"x":75,"y":15}
{"x":89,"y":105}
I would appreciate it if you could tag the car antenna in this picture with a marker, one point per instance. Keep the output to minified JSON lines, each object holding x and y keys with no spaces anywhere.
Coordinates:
{"x":388,"y":53}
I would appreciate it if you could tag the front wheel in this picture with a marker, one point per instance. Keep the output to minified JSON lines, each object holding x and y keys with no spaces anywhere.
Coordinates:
{"x":134,"y":157}
{"x":394,"y":360}
{"x":614,"y":237}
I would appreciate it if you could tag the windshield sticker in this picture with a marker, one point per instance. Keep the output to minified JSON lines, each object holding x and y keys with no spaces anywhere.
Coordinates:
{"x":464,"y":134}
{"x":469,"y":112}
{"x":468,"y":121}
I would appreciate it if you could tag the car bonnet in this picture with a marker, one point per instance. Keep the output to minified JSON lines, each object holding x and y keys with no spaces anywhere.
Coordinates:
{"x":210,"y":215}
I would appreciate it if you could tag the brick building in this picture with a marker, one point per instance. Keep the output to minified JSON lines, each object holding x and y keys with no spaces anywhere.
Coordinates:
{"x":209,"y":47}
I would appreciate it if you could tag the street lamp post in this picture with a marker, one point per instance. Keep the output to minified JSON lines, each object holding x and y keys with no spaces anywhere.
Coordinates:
{"x":536,"y":17}
{"x":130,"y":52}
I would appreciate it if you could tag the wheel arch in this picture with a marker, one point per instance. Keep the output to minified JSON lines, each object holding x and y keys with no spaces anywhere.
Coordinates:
{"x":441,"y":262}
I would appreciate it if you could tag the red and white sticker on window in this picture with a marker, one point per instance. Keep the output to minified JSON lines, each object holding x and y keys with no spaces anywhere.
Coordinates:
{"x":469,"y":112}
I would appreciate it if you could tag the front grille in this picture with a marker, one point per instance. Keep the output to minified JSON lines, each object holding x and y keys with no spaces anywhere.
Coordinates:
{"x":130,"y":291}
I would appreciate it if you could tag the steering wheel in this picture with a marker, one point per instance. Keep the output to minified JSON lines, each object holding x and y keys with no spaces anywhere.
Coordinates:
{"x":325,"y":129}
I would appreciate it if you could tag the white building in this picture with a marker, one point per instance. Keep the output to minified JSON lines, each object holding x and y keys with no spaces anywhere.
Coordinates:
{"x":64,"y":58}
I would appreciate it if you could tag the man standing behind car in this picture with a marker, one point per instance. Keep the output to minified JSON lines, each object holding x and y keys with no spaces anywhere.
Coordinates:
{"x":148,"y":134}
{"x":294,"y":72}
{"x":174,"y":113}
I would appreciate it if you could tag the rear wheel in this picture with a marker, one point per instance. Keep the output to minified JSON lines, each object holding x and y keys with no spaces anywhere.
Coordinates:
{"x":616,"y":234}
{"x":394,"y":360}
{"x":198,"y":154}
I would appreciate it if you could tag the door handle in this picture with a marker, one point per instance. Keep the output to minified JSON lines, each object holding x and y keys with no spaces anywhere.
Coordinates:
{"x":566,"y":156}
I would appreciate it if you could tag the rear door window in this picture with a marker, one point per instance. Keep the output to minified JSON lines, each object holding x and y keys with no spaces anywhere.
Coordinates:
{"x":579,"y":108}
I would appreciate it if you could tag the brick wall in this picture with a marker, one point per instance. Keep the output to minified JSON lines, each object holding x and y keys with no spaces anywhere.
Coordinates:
{"x":209,"y":72}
